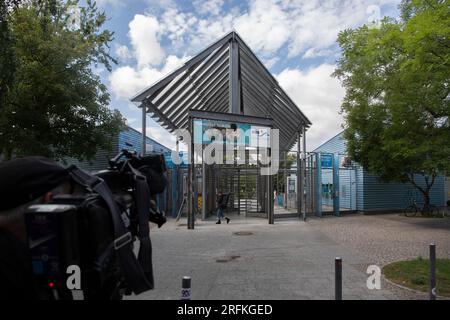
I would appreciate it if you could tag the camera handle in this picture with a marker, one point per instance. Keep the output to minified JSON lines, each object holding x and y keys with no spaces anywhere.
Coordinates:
{"x":143,"y":209}
{"x":132,"y":270}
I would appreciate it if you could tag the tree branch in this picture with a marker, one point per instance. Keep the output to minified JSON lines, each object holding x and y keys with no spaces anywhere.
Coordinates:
{"x":411,"y":180}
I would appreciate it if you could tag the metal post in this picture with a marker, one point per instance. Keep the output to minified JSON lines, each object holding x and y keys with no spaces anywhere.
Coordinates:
{"x":299,"y":176}
{"x":269,"y":200}
{"x":304,"y":172}
{"x":336,"y":202}
{"x":285,"y":180}
{"x":432,"y":271}
{"x":204,"y":189}
{"x":175,"y":191}
{"x":318,"y":185}
{"x":186,"y":288}
{"x":338,"y":278}
{"x":144,"y":130}
{"x":190,"y":182}
{"x":239,"y":191}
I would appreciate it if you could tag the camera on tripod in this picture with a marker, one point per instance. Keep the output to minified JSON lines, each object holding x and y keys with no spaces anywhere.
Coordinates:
{"x":94,"y":229}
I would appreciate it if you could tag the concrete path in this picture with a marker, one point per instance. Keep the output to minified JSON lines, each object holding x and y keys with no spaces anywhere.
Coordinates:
{"x":288,"y":260}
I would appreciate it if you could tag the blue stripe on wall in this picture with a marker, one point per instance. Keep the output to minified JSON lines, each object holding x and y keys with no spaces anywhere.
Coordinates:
{"x":371,"y":193}
{"x":134,"y":137}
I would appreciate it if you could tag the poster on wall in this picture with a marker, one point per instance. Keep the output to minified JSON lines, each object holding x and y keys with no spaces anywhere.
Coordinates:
{"x":241,"y":134}
{"x":326,"y":160}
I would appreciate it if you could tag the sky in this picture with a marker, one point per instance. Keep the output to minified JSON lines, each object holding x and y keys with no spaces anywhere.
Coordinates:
{"x":295,"y":39}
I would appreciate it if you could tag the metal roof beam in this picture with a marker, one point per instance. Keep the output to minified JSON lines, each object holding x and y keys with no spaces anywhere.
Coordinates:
{"x":191,"y":63}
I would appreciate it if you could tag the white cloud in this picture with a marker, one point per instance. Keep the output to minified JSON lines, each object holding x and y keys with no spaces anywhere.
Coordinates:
{"x":307,"y":28}
{"x":208,"y":7}
{"x":127,"y":81}
{"x":265,"y":27}
{"x":319,"y":97}
{"x":109,"y":3}
{"x":269,"y":63}
{"x":144,"y":32}
{"x":304,"y":29}
{"x":152,"y":63}
{"x":161,"y":135}
{"x":131,"y":120}
{"x":123,"y":52}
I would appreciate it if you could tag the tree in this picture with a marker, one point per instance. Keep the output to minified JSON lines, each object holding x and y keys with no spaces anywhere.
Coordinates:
{"x":7,"y":60}
{"x":56,"y":106}
{"x":396,"y":106}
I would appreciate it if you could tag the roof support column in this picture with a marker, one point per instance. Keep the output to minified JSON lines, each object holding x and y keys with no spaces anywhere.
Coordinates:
{"x":235,"y":79}
{"x":299,"y":175}
{"x":305,"y":185}
{"x":144,"y":130}
{"x":191,"y":178}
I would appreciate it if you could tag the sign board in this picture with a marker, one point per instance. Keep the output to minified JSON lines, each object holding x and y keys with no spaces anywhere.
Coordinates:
{"x":326,"y":161}
{"x":169,"y":163}
{"x":204,"y":131}
{"x":241,"y":134}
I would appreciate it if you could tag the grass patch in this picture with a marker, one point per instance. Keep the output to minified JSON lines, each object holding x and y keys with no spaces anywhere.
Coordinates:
{"x":414,"y":274}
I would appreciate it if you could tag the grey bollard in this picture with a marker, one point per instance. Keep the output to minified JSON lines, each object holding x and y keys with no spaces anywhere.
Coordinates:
{"x":338,"y":278}
{"x":186,"y":288}
{"x":432,"y":271}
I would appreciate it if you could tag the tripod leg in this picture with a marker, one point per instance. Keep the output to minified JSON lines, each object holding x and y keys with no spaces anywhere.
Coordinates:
{"x":181,"y":209}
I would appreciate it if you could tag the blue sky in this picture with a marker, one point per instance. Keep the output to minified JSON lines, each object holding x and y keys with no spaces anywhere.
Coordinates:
{"x":295,"y":39}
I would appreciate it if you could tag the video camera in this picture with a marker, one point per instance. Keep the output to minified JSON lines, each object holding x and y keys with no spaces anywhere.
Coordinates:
{"x":81,"y":243}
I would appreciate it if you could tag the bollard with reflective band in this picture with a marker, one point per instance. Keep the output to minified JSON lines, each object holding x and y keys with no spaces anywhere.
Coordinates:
{"x":186,"y":288}
{"x":432,"y":271}
{"x":338,"y":278}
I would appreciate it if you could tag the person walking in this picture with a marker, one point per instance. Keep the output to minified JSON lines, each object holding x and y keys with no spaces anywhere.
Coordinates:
{"x":221,"y":205}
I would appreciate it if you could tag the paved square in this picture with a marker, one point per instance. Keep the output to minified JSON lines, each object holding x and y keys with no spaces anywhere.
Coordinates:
{"x":289,"y":260}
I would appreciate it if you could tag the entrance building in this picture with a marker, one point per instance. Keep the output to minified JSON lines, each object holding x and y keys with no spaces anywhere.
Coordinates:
{"x":225,"y":93}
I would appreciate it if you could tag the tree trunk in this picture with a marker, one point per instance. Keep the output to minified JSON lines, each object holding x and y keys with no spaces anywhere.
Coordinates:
{"x":424,"y":191}
{"x":426,"y":199}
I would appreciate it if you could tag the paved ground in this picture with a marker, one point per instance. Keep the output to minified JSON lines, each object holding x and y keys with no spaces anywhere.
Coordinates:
{"x":385,"y":238}
{"x":288,"y":260}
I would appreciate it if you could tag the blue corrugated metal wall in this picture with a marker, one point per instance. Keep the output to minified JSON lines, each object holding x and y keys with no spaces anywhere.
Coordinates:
{"x":382,"y":196}
{"x":130,"y":135}
{"x":337,"y":144}
{"x":134,"y":137}
{"x":372,"y":194}
{"x":99,"y":161}
{"x":350,"y":180}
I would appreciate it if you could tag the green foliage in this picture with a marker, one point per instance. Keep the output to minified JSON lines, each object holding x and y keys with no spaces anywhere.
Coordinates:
{"x":397,"y":93}
{"x":7,"y":58}
{"x":415,"y":274}
{"x":56,"y":105}
{"x":280,"y":181}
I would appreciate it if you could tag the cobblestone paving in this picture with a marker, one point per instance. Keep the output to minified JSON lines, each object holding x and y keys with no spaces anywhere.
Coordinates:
{"x":385,"y":238}
{"x":291,"y":259}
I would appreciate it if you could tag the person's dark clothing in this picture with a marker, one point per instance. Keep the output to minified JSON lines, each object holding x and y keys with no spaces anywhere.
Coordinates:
{"x":15,"y":269}
{"x":25,"y":179}
{"x":222,"y":201}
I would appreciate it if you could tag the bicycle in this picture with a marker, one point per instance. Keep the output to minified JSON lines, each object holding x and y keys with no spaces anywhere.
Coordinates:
{"x":427,"y":210}
{"x":412,"y":209}
{"x":431,"y":210}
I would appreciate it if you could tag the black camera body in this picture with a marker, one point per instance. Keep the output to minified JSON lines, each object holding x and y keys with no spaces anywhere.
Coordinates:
{"x":77,"y":230}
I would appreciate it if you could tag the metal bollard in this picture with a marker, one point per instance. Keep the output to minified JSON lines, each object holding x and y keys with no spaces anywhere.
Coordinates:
{"x":338,"y":278}
{"x":186,"y":288}
{"x":432,"y":271}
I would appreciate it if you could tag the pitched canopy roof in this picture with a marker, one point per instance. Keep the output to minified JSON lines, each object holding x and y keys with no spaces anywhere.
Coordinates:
{"x":225,"y":77}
